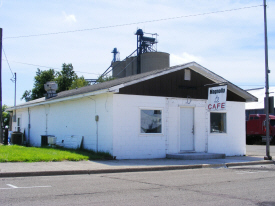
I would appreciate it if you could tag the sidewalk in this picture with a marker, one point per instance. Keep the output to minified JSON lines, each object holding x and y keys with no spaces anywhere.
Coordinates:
{"x":115,"y":166}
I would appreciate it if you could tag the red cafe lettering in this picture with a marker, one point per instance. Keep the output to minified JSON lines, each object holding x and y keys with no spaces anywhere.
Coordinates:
{"x":216,"y":106}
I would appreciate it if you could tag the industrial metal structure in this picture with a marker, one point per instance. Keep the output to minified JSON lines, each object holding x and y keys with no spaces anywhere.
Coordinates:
{"x":116,"y":55}
{"x":147,"y":58}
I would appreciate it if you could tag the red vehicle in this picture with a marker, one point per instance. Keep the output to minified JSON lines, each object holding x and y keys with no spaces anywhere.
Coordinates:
{"x":256,"y":129}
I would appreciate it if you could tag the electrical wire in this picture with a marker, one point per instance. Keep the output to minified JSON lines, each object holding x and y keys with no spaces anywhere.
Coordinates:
{"x":128,"y":24}
{"x":8,"y":62}
{"x":48,"y":67}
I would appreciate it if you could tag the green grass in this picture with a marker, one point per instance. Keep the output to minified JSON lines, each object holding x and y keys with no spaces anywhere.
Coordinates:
{"x":15,"y":153}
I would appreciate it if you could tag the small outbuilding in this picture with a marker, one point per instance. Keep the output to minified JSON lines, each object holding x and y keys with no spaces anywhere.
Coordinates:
{"x":147,"y":115}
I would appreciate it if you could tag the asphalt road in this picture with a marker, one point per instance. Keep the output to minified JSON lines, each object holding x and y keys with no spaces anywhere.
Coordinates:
{"x":235,"y":186}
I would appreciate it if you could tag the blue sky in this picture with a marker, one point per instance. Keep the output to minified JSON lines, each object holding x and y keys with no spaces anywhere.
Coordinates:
{"x":230,"y":44}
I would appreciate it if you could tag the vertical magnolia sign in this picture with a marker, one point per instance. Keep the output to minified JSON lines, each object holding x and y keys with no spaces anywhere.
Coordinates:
{"x":217,"y":98}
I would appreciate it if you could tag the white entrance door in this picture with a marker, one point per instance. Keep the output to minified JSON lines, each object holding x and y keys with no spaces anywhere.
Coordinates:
{"x":186,"y":129}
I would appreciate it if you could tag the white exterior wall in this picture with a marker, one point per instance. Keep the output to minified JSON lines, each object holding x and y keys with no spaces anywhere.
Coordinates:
{"x":119,"y":125}
{"x":24,"y":121}
{"x":200,"y":123}
{"x":233,"y":142}
{"x":130,"y":144}
{"x":72,"y":118}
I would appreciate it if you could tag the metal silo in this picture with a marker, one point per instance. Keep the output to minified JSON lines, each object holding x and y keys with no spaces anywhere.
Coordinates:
{"x":154,"y":60}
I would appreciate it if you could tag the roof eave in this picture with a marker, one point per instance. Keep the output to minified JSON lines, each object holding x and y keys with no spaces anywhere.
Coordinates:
{"x":49,"y":101}
{"x":217,"y":79}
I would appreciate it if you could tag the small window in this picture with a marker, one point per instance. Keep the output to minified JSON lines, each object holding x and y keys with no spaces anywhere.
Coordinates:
{"x":218,"y":122}
{"x":256,"y":117}
{"x":151,"y":121}
{"x":251,"y":118}
{"x":187,"y":74}
{"x":18,"y":124}
{"x":272,"y":122}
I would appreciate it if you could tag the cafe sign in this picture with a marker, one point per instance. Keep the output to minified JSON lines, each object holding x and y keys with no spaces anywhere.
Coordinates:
{"x":217,"y":98}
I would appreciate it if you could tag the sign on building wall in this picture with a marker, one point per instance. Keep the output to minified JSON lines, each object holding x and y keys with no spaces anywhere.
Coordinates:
{"x":217,"y":98}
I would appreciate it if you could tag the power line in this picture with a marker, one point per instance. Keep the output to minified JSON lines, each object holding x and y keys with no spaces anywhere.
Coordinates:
{"x":48,"y":67}
{"x":250,"y":85}
{"x":141,"y":22}
{"x":8,"y":62}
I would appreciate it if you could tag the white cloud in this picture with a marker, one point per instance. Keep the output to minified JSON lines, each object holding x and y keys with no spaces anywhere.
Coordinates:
{"x":183,"y":58}
{"x":69,"y":18}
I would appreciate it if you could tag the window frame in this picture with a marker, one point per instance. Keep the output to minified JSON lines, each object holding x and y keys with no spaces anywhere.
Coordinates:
{"x":162,"y":122}
{"x":18,"y":124}
{"x":226,"y":125}
{"x":187,"y":74}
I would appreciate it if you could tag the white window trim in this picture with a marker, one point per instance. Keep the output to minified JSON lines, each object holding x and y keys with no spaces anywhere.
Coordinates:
{"x":162,"y":122}
{"x":18,"y":121}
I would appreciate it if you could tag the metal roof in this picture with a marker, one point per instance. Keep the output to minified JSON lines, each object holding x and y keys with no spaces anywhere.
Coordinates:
{"x":114,"y":85}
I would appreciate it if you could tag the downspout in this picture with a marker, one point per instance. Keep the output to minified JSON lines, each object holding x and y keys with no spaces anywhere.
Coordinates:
{"x":166,"y":126}
{"x":29,"y":127}
{"x":46,"y":124}
{"x":47,"y":111}
{"x":96,"y":119}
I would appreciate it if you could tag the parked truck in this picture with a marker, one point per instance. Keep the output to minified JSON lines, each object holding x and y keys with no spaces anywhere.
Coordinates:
{"x":256,"y":128}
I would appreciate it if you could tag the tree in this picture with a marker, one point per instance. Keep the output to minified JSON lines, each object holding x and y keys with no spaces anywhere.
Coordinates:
{"x":79,"y":82}
{"x":66,"y":77}
{"x":27,"y":95}
{"x":5,"y":116}
{"x":105,"y":78}
{"x":41,"y":78}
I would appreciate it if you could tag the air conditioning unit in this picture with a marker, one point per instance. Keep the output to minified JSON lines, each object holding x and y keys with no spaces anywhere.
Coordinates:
{"x":51,"y":140}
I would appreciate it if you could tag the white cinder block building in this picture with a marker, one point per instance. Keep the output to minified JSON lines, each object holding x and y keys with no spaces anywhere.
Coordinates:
{"x":147,"y":115}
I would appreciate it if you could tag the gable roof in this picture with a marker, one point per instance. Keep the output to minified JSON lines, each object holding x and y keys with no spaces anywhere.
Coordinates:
{"x":115,"y":85}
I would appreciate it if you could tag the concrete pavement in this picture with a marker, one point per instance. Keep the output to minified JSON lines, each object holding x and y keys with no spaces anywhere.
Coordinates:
{"x":19,"y":169}
{"x":255,"y":155}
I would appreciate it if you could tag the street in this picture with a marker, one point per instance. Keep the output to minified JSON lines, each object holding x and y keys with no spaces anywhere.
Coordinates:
{"x":251,"y":185}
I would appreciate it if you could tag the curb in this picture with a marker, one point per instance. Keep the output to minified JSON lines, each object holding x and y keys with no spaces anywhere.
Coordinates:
{"x":103,"y":171}
{"x":135,"y":169}
{"x":262,"y":162}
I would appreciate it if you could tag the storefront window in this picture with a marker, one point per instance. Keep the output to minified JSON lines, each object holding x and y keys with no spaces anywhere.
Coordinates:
{"x":150,"y":121}
{"x":217,"y":122}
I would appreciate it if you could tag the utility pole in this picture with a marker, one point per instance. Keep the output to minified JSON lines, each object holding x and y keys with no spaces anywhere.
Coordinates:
{"x":267,"y":71}
{"x":1,"y":131}
{"x":14,"y":120}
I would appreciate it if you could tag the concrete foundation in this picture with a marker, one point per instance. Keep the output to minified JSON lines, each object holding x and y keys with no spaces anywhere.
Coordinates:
{"x":195,"y":156}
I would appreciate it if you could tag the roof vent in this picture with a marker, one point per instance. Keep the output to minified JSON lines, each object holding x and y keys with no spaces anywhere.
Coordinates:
{"x":187,"y":74}
{"x":50,"y":88}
